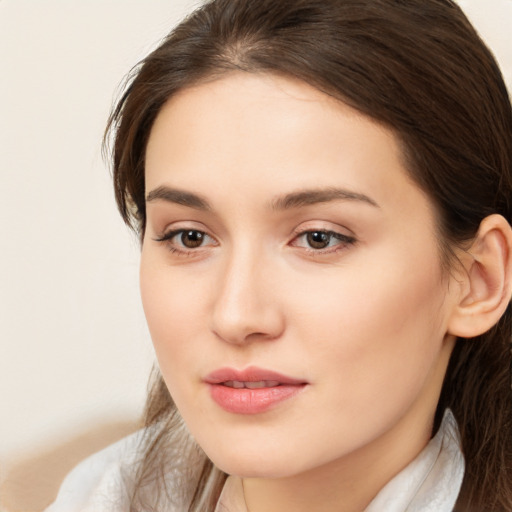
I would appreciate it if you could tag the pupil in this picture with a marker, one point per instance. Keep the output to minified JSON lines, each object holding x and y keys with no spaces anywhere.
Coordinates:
{"x":192,"y":239}
{"x":318,"y":239}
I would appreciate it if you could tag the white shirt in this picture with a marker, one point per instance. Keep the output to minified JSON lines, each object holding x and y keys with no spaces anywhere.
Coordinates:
{"x":430,"y":483}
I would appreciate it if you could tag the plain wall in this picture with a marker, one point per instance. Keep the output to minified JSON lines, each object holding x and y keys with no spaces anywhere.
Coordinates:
{"x":74,"y":350}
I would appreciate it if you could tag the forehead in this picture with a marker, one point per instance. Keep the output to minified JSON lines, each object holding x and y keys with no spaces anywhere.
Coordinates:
{"x":271,"y":133}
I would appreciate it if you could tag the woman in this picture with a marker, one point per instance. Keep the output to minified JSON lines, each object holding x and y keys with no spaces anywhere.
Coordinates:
{"x":323,"y":194}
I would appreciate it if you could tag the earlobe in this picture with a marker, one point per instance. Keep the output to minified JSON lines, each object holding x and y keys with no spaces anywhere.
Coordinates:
{"x":487,"y":280}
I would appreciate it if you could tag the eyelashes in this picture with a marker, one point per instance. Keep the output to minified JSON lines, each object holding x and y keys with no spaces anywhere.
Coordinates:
{"x":321,"y":241}
{"x":317,"y":242}
{"x":186,"y":241}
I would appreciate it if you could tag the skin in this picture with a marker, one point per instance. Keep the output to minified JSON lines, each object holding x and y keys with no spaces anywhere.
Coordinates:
{"x":364,"y":321}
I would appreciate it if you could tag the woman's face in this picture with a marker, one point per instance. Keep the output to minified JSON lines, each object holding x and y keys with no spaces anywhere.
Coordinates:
{"x":287,"y":250}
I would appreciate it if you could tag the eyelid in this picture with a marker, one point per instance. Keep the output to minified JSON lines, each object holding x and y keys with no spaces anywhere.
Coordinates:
{"x":168,"y":229}
{"x":169,"y":234}
{"x":323,"y":226}
{"x":345,"y":239}
{"x":338,"y":236}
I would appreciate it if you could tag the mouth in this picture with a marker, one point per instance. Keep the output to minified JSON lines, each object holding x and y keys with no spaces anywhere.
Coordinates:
{"x":251,"y":377}
{"x":251,"y":391}
{"x":237,"y":384}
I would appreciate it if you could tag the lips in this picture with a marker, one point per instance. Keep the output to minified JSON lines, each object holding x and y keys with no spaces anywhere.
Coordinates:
{"x":251,"y":391}
{"x":251,"y":385}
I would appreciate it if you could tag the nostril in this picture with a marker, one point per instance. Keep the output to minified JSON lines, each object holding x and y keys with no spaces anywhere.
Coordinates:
{"x":243,"y":336}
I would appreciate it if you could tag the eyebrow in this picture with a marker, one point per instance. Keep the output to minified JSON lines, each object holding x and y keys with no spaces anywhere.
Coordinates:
{"x":303,"y":198}
{"x":289,"y":201}
{"x":173,"y":195}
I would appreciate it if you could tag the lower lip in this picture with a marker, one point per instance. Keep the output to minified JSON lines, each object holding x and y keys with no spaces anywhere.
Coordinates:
{"x":252,"y":401}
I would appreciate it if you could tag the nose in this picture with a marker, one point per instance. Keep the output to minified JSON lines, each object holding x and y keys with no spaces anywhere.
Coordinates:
{"x":245,"y":306}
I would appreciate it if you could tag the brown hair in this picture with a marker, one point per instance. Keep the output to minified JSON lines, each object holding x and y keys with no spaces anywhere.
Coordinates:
{"x":418,"y":67}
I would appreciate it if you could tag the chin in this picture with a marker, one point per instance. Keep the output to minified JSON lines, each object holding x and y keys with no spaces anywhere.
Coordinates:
{"x":250,"y":464}
{"x":252,"y":469}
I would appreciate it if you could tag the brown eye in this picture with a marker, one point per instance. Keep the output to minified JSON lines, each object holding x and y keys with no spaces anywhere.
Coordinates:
{"x":185,"y":241}
{"x":318,"y":239}
{"x":192,"y":238}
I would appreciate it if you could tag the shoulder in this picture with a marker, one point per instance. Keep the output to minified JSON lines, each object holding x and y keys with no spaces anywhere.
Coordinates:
{"x":100,"y":483}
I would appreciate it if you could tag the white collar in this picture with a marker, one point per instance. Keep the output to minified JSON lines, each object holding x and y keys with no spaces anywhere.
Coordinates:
{"x":430,"y":483}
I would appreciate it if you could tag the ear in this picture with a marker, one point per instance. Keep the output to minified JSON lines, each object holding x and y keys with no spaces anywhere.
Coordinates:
{"x":487,"y":280}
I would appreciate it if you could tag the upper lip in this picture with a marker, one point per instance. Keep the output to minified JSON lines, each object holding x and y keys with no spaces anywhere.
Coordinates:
{"x":250,"y":374}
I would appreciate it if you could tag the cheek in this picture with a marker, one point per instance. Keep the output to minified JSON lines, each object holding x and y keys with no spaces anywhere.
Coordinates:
{"x":369,"y":300}
{"x":375,"y":332}
{"x":173,"y":314}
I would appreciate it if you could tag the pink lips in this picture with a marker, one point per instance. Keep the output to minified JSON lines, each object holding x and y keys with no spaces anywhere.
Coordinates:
{"x":251,"y":391}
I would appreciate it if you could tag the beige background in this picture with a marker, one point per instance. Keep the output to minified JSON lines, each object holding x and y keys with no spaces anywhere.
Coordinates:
{"x":74,"y":350}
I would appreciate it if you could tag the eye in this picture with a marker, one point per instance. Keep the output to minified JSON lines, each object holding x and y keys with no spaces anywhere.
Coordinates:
{"x":319,"y":240}
{"x":191,"y":238}
{"x":185,"y":240}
